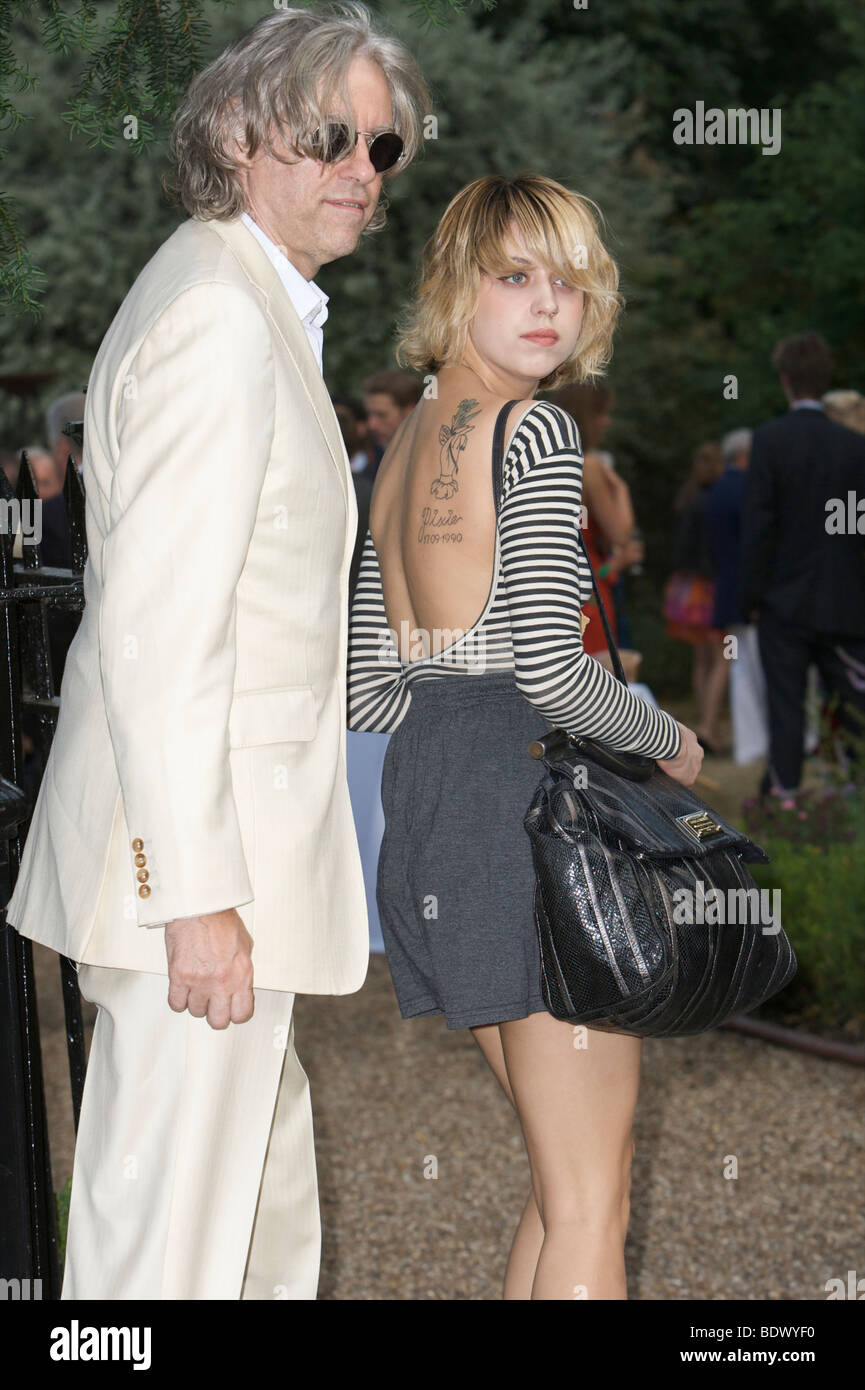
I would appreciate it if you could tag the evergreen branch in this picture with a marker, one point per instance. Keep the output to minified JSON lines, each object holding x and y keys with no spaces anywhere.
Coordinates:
{"x":149,"y":53}
{"x":436,"y":14}
{"x":63,"y":32}
{"x":20,"y":279}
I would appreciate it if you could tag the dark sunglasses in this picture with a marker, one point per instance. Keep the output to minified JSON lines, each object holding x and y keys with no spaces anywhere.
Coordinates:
{"x":335,"y":143}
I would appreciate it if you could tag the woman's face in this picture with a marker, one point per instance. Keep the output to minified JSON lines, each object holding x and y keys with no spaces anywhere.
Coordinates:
{"x":528,"y":322}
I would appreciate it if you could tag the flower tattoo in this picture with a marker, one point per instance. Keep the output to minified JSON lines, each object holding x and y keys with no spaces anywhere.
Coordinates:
{"x":453,"y":438}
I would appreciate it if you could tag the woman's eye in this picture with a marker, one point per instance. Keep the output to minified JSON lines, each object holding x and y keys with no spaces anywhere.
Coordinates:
{"x":513,"y":275}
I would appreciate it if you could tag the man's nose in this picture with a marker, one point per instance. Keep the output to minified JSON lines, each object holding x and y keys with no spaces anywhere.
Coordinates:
{"x":358,"y":165}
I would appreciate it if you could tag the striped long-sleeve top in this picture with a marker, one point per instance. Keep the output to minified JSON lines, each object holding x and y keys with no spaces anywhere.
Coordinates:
{"x":530,"y":623}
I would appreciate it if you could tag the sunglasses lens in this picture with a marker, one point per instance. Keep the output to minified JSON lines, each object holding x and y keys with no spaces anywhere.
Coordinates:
{"x":384,"y":151}
{"x":332,"y":143}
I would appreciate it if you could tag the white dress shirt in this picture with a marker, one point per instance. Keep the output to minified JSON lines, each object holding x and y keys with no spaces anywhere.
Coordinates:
{"x":309,"y":301}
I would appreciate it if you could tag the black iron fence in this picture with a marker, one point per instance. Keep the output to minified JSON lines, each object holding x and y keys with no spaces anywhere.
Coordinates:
{"x":32,"y":595}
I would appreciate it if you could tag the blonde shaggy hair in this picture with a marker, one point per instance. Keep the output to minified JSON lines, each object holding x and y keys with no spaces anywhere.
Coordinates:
{"x":283,"y":75}
{"x":846,"y":408}
{"x":559,"y":230}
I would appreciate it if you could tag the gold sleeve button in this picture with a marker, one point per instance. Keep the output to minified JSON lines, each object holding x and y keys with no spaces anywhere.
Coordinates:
{"x":143,"y":875}
{"x":140,"y":861}
{"x":144,"y":891}
{"x":137,"y":844}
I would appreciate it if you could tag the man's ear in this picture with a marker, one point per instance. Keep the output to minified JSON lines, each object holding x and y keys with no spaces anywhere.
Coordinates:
{"x":235,"y":135}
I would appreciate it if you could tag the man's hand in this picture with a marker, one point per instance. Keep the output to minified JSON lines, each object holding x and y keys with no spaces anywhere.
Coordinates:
{"x":210,"y":967}
{"x":687,"y":762}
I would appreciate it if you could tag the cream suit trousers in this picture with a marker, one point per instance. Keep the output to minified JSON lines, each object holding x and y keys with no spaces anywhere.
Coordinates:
{"x":194,"y":1173}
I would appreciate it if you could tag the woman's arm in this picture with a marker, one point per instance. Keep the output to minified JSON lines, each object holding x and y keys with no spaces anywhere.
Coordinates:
{"x":547,"y":580}
{"x":378,"y":696}
{"x":607,"y":498}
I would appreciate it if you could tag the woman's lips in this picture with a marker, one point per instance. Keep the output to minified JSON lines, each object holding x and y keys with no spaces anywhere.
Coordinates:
{"x":546,"y":338}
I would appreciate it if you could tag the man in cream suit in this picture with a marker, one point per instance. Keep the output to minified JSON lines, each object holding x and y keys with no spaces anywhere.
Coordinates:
{"x":194,"y":820}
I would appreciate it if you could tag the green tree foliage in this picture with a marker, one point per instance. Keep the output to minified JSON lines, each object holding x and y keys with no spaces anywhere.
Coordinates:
{"x":787,"y":250}
{"x":92,"y":217}
{"x":753,"y":247}
{"x":135,"y":58}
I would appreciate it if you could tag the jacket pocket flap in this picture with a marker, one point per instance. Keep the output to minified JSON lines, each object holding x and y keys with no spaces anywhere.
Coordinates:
{"x":285,"y":715}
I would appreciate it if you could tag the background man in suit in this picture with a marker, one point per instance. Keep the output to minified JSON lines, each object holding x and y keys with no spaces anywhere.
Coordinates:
{"x":803,"y":575}
{"x":195,"y":802}
{"x":388,"y":398}
{"x":748,"y":713}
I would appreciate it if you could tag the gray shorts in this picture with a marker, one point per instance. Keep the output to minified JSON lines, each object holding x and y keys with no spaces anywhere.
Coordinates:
{"x":455,"y":882}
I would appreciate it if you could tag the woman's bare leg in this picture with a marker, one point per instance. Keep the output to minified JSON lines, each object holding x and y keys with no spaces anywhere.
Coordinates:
{"x":576,"y":1107}
{"x":529,"y":1237}
{"x":714,"y":690}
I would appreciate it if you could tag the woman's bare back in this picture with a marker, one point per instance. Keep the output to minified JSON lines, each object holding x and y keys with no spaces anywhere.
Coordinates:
{"x":432,"y":517}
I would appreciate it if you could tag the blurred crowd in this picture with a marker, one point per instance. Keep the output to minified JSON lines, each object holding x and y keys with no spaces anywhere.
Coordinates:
{"x":767,"y":587}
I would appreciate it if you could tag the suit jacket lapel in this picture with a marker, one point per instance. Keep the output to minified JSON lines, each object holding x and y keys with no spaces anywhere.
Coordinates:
{"x":263,"y":274}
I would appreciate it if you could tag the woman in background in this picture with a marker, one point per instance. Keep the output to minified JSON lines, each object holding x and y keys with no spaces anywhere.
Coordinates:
{"x":846,"y":408}
{"x":609,"y":527}
{"x":689,"y":597}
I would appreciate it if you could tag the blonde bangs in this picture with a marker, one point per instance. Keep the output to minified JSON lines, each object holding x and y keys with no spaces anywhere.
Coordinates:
{"x":557,"y":228}
{"x":550,"y":241}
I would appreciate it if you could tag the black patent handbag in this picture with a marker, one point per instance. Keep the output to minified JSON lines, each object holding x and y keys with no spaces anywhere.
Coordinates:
{"x":648,"y":921}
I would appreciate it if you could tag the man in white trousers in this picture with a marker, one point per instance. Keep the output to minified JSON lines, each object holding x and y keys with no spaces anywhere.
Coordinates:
{"x":749,"y":715}
{"x":193,"y":820}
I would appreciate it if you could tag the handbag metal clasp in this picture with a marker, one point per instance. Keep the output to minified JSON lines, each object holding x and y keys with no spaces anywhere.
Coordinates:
{"x":551,"y":744}
{"x":701,"y":825}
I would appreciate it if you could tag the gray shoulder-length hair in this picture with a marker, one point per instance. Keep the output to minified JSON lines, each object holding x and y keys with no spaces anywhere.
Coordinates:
{"x":283,"y":73}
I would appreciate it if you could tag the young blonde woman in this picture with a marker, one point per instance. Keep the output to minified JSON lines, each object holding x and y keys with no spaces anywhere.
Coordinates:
{"x":465,"y":645}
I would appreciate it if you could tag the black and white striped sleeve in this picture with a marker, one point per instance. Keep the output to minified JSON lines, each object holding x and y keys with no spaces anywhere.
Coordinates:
{"x":378,"y":695}
{"x":547,"y":579}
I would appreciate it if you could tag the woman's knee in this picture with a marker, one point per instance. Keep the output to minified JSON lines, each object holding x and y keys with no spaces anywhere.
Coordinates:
{"x":599,"y":1198}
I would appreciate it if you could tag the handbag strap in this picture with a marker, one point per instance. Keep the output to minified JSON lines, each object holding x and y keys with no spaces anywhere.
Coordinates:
{"x":498,"y":461}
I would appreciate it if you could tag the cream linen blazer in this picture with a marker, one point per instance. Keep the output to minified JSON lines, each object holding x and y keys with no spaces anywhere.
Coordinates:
{"x":199,"y":757}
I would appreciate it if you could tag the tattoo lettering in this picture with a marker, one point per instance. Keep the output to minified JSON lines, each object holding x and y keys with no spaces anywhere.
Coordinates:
{"x":452,"y":440}
{"x":431,"y":517}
